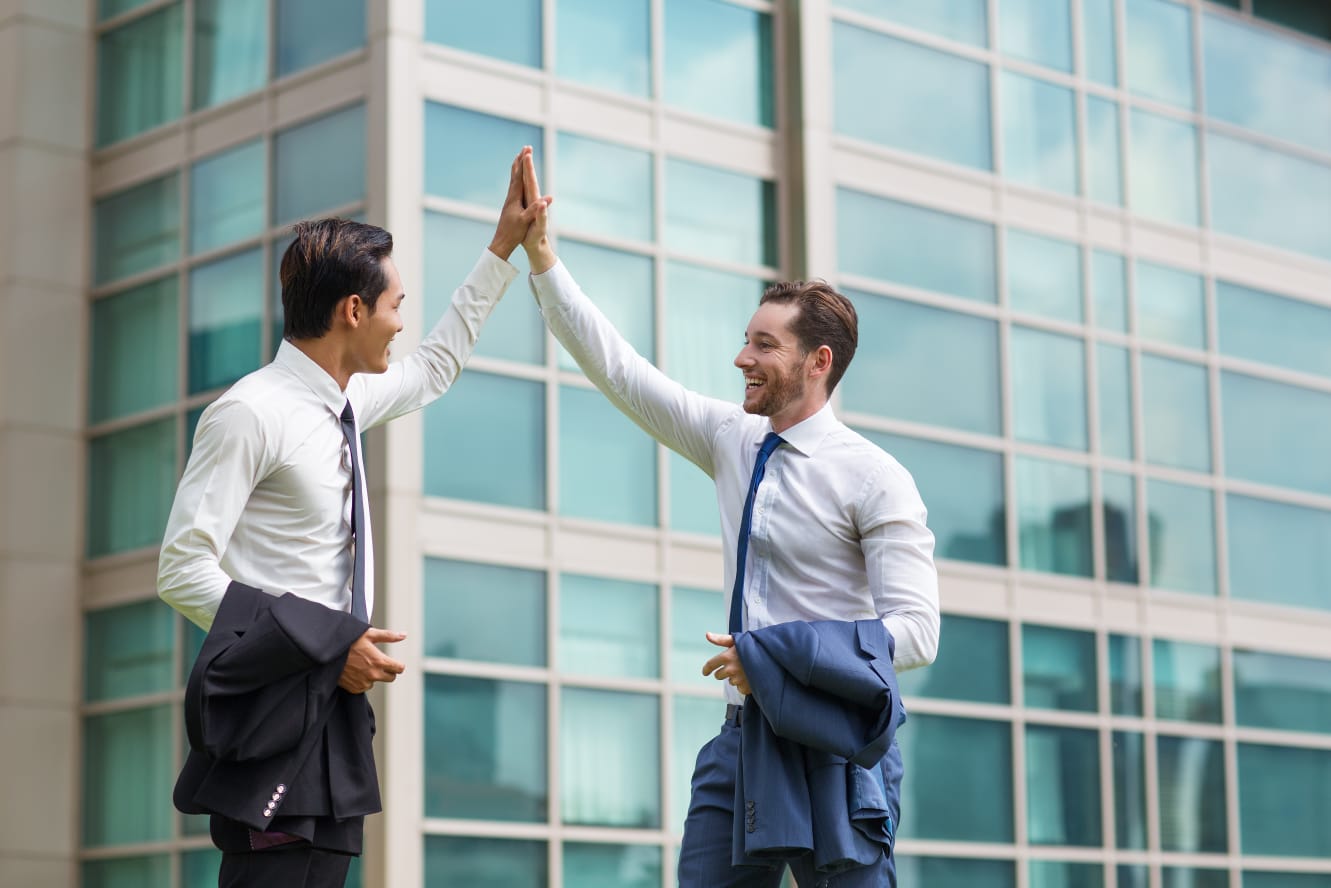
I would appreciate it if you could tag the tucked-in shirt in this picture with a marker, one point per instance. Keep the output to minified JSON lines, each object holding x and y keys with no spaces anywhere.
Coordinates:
{"x":266,"y":494}
{"x":838,"y":529}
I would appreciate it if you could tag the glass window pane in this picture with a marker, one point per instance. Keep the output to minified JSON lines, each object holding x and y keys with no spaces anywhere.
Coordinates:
{"x":621,"y":31}
{"x":1187,"y":681}
{"x":495,"y":863}
{"x":1273,"y":329}
{"x":1269,"y":196}
{"x":1279,"y":553}
{"x":1104,"y":173}
{"x":225,"y":320}
{"x":610,"y":752}
{"x":607,"y":466}
{"x":1036,"y":31}
{"x":1129,"y":752}
{"x":140,"y":75}
{"x":693,"y":613}
{"x":1192,"y":794}
{"x":697,"y":721}
{"x":461,"y":601}
{"x":198,"y":869}
{"x":948,"y":758}
{"x":1063,"y":874}
{"x":501,"y":459}
{"x":504,"y":29}
{"x":981,"y":676}
{"x":964,"y":490}
{"x":1120,"y":520}
{"x":604,"y":188}
{"x":1308,"y":18}
{"x":129,"y":650}
{"x":719,"y":214}
{"x":314,"y":31}
{"x":1109,"y":291}
{"x":951,"y":358}
{"x":1044,"y":276}
{"x":1134,"y":876}
{"x":1113,"y":366}
{"x":110,"y":8}
{"x":1159,"y":51}
{"x":1049,"y":388}
{"x":1275,"y":782}
{"x":1269,"y":454}
{"x":133,"y":364}
{"x":608,"y":627}
{"x":939,"y":107}
{"x":1193,"y":877}
{"x":1099,"y":43}
{"x":1054,"y":517}
{"x":231,"y":48}
{"x":1058,"y":668}
{"x":612,"y":866}
{"x":1282,"y":692}
{"x":309,"y":177}
{"x":692,"y":498}
{"x":137,"y":229}
{"x":962,"y":20}
{"x":131,"y":482}
{"x":1176,"y":411}
{"x":718,"y":60}
{"x":923,"y":871}
{"x":1253,"y":879}
{"x":1125,"y":675}
{"x":484,"y":749}
{"x":1181,"y":521}
{"x":127,"y":773}
{"x":622,"y":286}
{"x":1171,"y":305}
{"x":226,"y":195}
{"x":1163,"y":160}
{"x":706,"y":315}
{"x":128,"y":872}
{"x":467,"y":152}
{"x":1039,"y":133}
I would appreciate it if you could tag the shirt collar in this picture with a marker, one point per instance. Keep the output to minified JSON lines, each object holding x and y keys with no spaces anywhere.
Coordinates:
{"x":316,"y":378}
{"x":807,"y":435}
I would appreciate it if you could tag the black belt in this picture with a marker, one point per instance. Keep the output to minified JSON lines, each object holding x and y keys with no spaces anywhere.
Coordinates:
{"x":733,"y":711}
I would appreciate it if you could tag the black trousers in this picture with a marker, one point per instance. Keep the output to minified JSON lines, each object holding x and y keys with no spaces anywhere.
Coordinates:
{"x":297,"y":865}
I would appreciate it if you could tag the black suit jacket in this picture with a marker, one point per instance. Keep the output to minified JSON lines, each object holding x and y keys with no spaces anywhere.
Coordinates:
{"x":270,"y":731}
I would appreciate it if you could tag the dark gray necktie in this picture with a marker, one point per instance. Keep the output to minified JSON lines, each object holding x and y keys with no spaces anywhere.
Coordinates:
{"x":357,"y":517}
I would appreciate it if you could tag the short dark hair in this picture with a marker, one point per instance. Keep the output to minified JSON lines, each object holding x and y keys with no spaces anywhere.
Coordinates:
{"x":825,"y":318}
{"x":330,"y":259}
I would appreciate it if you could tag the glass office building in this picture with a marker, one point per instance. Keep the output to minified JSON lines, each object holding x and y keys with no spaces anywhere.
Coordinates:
{"x":1090,"y":246}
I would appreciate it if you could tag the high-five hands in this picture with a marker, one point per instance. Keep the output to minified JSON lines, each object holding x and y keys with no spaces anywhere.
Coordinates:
{"x":726,"y":666}
{"x":519,"y":212}
{"x":540,"y":254}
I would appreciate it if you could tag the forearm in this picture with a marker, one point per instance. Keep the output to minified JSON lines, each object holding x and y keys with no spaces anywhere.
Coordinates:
{"x":191,"y":581}
{"x":904,"y":584}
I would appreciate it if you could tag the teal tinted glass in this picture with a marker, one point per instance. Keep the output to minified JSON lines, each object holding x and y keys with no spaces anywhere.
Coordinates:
{"x":134,"y":339}
{"x":1129,"y":761}
{"x":1308,"y":18}
{"x":1176,"y":413}
{"x":1113,"y":366}
{"x":128,"y":651}
{"x":140,"y":75}
{"x":693,"y":613}
{"x":612,"y":866}
{"x":1259,"y":415}
{"x":503,"y":29}
{"x":199,"y":869}
{"x":226,"y":197}
{"x":314,"y":31}
{"x":1159,"y":51}
{"x":131,"y":482}
{"x":951,"y":358}
{"x":719,"y":214}
{"x":601,"y":790}
{"x":607,"y":466}
{"x":467,"y":860}
{"x":718,"y":60}
{"x":1273,"y":329}
{"x":484,"y":749}
{"x":1039,"y":133}
{"x":696,"y":721}
{"x":955,"y":871}
{"x":939,"y":106}
{"x":513,"y":332}
{"x":621,"y":32}
{"x":1254,"y":879}
{"x":1049,"y":388}
{"x":608,"y":627}
{"x":965,"y":21}
{"x":128,"y":872}
{"x":1279,"y":553}
{"x":308,"y":177}
{"x":136,"y":229}
{"x":1192,"y":794}
{"x":1120,"y":526}
{"x":1054,"y":517}
{"x":1171,"y":305}
{"x":110,"y":8}
{"x":692,"y":498}
{"x":1269,"y":196}
{"x":964,"y":490}
{"x":911,"y":245}
{"x":1104,"y":158}
{"x":1125,"y":675}
{"x":622,"y":286}
{"x":1181,"y":520}
{"x":1274,"y":782}
{"x":1099,"y":41}
{"x":1058,"y":668}
{"x":501,"y":459}
{"x":1187,"y":681}
{"x":1163,"y":162}
{"x":1036,"y":31}
{"x":468,"y":154}
{"x":230,"y":49}
{"x":127,"y":771}
{"x":1282,"y":692}
{"x":1134,"y":876}
{"x":1193,"y":877}
{"x":604,"y":188}
{"x":1063,"y":874}
{"x":461,"y":599}
{"x":706,"y":314}
{"x":1109,"y":291}
{"x":225,"y":320}
{"x":191,"y":642}
{"x":1044,"y":276}
{"x":948,"y":758}
{"x":981,"y":676}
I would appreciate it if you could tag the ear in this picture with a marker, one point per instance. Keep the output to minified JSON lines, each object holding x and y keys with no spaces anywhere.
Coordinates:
{"x":350,"y":311}
{"x":822,"y":362}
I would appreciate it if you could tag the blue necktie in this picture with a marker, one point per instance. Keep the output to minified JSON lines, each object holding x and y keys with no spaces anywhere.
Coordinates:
{"x":770,"y":443}
{"x":357,"y":517}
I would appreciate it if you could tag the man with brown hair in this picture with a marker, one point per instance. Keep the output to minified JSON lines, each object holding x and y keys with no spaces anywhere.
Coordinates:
{"x":821,"y":531}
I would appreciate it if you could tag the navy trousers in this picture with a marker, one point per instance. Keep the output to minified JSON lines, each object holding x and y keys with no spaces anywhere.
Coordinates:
{"x":704,"y":855}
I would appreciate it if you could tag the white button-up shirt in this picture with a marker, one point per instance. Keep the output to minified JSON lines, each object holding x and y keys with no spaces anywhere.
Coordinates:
{"x":266,"y":495}
{"x":838,"y":529}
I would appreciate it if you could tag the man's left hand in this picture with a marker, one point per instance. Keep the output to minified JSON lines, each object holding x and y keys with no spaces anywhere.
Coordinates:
{"x":726,"y":666}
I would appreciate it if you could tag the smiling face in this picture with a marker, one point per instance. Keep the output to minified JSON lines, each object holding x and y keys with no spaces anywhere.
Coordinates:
{"x":776,"y":368}
{"x":370,"y":340}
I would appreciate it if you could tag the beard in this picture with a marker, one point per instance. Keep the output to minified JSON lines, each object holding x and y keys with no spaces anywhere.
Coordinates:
{"x":778,"y":392}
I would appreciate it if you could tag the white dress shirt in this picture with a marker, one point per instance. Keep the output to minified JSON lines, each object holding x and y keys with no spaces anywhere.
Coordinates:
{"x":838,"y":529}
{"x":266,"y":496}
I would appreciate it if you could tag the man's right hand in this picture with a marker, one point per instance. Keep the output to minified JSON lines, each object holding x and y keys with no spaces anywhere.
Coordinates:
{"x":540,"y":255}
{"x":366,"y":664}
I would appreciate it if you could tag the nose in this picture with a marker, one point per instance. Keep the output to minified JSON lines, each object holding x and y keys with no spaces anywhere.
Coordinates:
{"x":743,"y":359}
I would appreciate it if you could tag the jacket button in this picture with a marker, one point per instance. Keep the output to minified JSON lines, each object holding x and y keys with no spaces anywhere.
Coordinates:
{"x":281,"y":788}
{"x":268,"y":812}
{"x":277,"y":796}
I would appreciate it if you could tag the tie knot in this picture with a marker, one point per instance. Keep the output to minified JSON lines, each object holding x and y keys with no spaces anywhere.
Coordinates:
{"x":347,"y":415}
{"x":770,"y":443}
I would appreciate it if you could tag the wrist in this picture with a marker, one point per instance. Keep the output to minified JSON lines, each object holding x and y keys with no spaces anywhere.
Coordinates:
{"x":541,"y":256}
{"x":503,"y":247}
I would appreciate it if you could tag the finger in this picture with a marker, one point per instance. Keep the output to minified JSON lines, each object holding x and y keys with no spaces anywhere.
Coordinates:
{"x":514,"y":181}
{"x":720,"y":640}
{"x":713,"y":664}
{"x":383,"y":636}
{"x":531,"y":187}
{"x":397,"y":667}
{"x":387,"y":676}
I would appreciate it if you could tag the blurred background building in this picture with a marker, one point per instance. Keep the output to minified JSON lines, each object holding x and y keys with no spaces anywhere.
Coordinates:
{"x":1090,"y":244}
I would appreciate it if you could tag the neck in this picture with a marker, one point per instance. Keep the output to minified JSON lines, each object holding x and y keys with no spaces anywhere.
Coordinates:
{"x":325,"y":352}
{"x":796,"y":414}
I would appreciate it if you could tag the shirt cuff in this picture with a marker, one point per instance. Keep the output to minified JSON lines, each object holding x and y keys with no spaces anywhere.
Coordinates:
{"x":549,"y":284}
{"x":490,"y":273}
